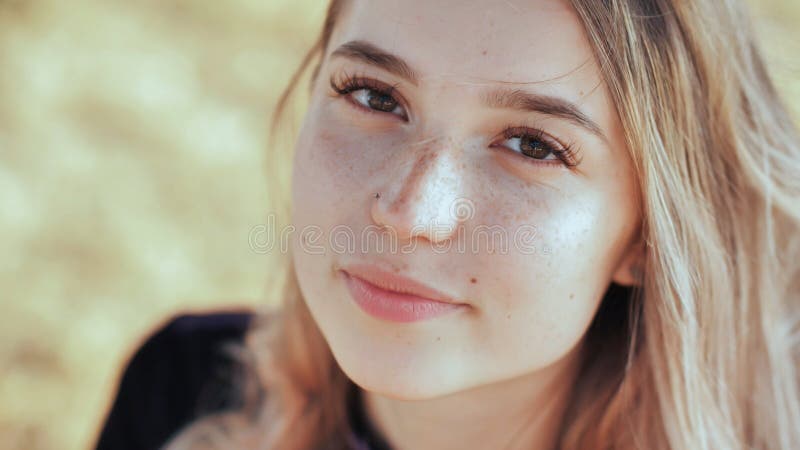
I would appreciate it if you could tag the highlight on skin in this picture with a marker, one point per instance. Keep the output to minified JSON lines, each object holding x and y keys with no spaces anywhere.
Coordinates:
{"x":693,"y":347}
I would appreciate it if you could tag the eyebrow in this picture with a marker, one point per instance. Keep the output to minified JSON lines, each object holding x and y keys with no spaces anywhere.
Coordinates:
{"x":501,"y":98}
{"x":370,"y":54}
{"x":545,"y":104}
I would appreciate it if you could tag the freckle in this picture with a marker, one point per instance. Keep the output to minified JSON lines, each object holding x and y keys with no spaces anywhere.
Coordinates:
{"x":483,"y":52}
{"x":508,"y":316}
{"x":438,"y":338}
{"x":473,"y":280}
{"x":571,"y":295}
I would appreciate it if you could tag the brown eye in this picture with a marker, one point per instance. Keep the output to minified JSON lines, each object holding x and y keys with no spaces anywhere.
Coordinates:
{"x":381,"y":102}
{"x":371,"y":95}
{"x":538,"y":147}
{"x":377,"y":101}
{"x":534,"y":147}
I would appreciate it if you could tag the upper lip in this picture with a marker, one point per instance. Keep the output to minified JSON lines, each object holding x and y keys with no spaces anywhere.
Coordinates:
{"x":384,"y":279}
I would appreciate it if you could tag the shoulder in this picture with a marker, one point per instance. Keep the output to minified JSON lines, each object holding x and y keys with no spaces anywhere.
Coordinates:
{"x":182,"y":371}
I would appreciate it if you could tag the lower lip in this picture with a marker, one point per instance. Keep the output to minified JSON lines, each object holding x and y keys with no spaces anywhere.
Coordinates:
{"x":393,"y":306}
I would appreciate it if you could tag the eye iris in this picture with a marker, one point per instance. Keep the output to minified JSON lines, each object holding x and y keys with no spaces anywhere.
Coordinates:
{"x":534,"y":147}
{"x":382,"y":102}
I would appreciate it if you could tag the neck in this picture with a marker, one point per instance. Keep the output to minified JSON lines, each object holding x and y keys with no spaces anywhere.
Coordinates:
{"x":523,"y":412}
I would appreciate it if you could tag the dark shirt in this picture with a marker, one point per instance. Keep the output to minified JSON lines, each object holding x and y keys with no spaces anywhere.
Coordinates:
{"x":182,"y":373}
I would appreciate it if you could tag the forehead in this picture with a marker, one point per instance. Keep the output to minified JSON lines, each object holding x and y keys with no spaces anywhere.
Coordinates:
{"x":518,"y":41}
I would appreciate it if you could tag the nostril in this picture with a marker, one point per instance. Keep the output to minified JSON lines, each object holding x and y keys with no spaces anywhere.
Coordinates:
{"x":392,"y":217}
{"x":428,"y":218}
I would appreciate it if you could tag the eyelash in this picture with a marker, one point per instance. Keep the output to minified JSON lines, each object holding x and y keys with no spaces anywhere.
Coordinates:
{"x":566,"y":154}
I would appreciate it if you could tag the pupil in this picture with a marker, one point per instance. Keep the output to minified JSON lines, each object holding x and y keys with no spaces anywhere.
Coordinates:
{"x":382,"y":102}
{"x":534,"y":147}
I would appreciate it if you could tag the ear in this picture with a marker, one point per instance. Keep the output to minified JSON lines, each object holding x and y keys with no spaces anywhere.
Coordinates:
{"x":630,"y":270}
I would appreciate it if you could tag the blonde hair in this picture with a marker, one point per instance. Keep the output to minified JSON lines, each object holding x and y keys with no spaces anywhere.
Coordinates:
{"x":705,"y":354}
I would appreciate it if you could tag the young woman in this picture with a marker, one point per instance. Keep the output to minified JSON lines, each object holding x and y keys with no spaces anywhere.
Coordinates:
{"x":531,"y":225}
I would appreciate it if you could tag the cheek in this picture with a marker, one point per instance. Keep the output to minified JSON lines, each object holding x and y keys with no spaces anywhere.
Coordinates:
{"x":323,"y":178}
{"x":321,"y":156}
{"x":332,"y":165}
{"x":542,"y":294}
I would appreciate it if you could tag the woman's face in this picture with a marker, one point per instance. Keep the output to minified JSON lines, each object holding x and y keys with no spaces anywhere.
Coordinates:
{"x":503,"y":181}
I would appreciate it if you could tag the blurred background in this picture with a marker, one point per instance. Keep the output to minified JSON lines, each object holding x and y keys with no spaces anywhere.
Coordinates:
{"x":132,"y":171}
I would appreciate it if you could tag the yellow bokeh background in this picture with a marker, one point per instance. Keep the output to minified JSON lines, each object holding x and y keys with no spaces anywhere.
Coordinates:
{"x":132,"y":173}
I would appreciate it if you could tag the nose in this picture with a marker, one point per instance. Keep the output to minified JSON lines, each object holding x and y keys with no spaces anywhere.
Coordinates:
{"x":425,"y":198}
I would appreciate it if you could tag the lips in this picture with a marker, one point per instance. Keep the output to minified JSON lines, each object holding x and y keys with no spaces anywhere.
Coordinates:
{"x":391,"y":297}
{"x":397,"y":283}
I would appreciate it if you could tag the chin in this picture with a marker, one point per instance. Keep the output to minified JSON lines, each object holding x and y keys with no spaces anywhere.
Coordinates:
{"x":403,"y":380}
{"x":401,"y":388}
